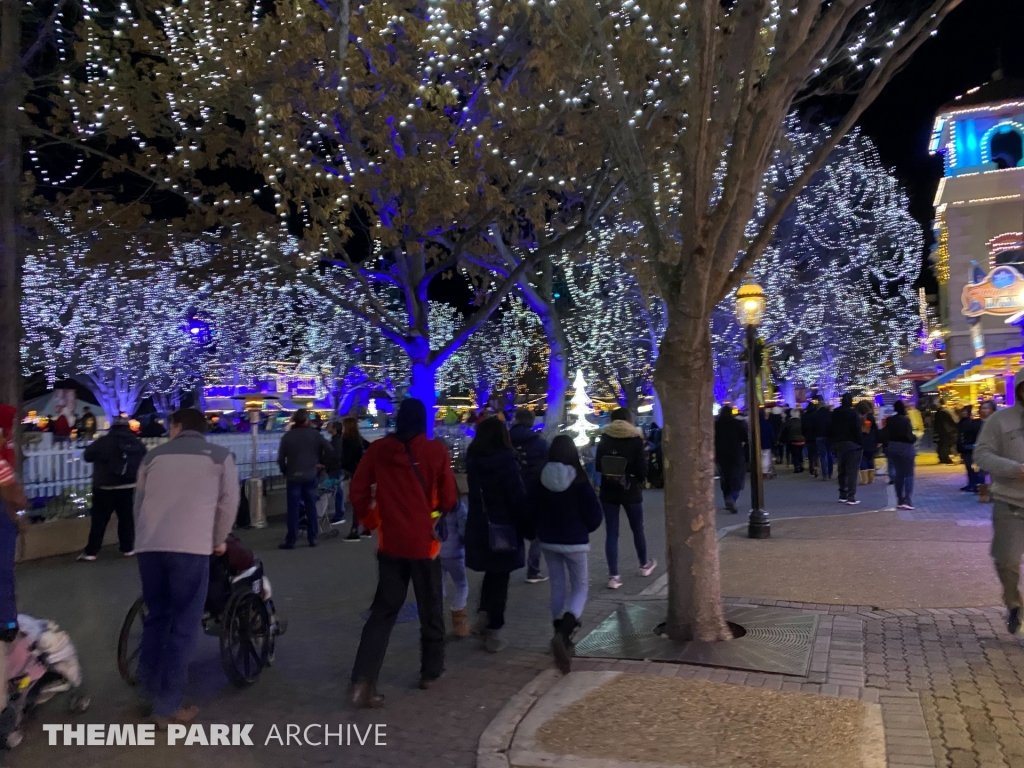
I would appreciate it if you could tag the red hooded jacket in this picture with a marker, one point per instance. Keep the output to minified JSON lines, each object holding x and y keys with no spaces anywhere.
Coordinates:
{"x":398,"y":509}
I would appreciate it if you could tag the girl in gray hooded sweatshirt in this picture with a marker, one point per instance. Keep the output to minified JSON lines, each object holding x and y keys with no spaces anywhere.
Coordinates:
{"x":566,"y":511}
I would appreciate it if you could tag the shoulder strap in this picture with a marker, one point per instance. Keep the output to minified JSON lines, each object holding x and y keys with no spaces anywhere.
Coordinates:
{"x":423,"y":484}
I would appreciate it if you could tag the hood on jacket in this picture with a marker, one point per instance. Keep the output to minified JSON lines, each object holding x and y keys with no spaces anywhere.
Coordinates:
{"x":622,"y":429}
{"x":557,"y":477}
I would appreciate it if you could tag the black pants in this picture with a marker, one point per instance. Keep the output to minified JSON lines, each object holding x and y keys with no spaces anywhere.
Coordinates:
{"x":849,"y":456}
{"x":392,"y":588}
{"x":493,"y":596}
{"x":945,"y":447}
{"x":106,"y":502}
{"x":796,"y":455}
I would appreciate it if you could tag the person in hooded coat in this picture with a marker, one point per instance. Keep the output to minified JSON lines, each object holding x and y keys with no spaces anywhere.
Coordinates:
{"x":496,"y":523}
{"x":565,"y":511}
{"x":846,"y":436}
{"x":533,"y":454}
{"x":731,"y":452}
{"x":400,"y":482}
{"x":623,"y":466}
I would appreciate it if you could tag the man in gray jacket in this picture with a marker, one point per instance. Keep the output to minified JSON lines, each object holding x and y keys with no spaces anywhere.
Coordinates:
{"x":1000,"y":452}
{"x":302,"y":453}
{"x":186,"y":499}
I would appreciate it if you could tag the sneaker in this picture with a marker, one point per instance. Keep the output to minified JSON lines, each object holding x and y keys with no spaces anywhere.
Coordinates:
{"x":367,"y":534}
{"x":338,"y":522}
{"x":648,"y":569}
{"x":353,"y":536}
{"x":842,"y":501}
{"x":1013,"y":621}
{"x":535,"y":578}
{"x":286,"y":545}
{"x":614,"y":582}
{"x":853,"y":502}
{"x":129,"y":553}
{"x":86,"y":558}
{"x":904,"y":505}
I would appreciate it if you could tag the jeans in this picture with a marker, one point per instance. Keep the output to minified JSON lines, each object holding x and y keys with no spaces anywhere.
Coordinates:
{"x":339,"y":498}
{"x":533,"y":559}
{"x":576,"y":565}
{"x":456,"y":568}
{"x":849,"y":455}
{"x":635,"y":515}
{"x":392,"y":587}
{"x":301,"y":493}
{"x":974,"y":475}
{"x":901,"y":459}
{"x":105,"y":502}
{"x":825,"y":457}
{"x":174,"y":586}
{"x":493,"y":597}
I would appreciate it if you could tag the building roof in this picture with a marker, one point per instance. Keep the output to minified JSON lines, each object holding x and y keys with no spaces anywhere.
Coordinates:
{"x":997,"y":90}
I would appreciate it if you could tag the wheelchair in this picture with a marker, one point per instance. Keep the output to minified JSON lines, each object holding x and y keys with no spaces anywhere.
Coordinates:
{"x":239,"y":611}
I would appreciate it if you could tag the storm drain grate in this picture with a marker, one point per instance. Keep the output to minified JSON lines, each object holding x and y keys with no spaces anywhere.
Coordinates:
{"x":777,"y":641}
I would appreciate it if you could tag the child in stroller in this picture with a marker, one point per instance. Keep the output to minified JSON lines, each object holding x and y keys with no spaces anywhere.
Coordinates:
{"x":41,"y":662}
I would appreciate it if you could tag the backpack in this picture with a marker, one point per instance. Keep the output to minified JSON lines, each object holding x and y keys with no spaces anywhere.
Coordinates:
{"x":129,"y":459}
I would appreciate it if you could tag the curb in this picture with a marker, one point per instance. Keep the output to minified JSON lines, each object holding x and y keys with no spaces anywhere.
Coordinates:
{"x":495,"y":741}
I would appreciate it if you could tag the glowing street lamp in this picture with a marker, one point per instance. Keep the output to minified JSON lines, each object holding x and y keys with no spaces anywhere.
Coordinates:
{"x":750,"y":304}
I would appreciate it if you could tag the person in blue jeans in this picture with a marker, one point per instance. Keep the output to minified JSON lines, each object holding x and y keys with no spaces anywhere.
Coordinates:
{"x":303,"y":452}
{"x":565,"y":511}
{"x":186,"y":499}
{"x":621,"y":462}
{"x":822,"y":428}
{"x":453,"y":562}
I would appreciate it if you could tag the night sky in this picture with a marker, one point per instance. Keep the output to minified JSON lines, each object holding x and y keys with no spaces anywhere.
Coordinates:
{"x":964,"y":54}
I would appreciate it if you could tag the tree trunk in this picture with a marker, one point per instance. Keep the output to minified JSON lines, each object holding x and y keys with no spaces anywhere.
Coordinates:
{"x":558,"y":376}
{"x":684,"y":382}
{"x":658,"y":415}
{"x":421,"y":386}
{"x":10,"y":192}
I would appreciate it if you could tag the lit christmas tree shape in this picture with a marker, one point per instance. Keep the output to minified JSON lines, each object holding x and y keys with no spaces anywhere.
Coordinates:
{"x":581,"y":408}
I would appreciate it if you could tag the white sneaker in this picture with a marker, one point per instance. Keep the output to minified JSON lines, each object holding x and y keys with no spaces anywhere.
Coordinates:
{"x":614,"y":582}
{"x":647,"y":570}
{"x":84,"y":558}
{"x":854,"y":502}
{"x":129,"y":553}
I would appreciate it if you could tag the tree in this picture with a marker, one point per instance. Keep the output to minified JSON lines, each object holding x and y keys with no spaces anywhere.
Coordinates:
{"x":838,"y":275}
{"x":692,"y":99}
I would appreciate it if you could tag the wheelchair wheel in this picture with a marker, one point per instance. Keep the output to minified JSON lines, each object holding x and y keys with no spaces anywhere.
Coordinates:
{"x":245,"y":641}
{"x":130,"y":642}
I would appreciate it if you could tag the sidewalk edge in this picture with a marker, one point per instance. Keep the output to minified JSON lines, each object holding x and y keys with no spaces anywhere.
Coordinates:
{"x":496,"y":740}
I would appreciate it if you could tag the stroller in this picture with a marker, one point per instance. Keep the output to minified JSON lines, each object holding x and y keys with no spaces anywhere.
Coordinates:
{"x":326,"y":491}
{"x":41,"y":662}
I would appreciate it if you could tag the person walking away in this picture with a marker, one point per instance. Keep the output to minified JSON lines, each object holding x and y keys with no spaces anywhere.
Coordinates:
{"x":846,"y":434}
{"x":986,"y":409}
{"x":868,"y":441}
{"x":402,"y":483}
{"x":565,"y":512}
{"x":916,"y":421}
{"x":116,"y":457}
{"x":967,"y":430}
{"x":303,"y":452}
{"x":335,"y":472}
{"x":767,"y":441}
{"x":823,"y":439}
{"x":186,"y":499}
{"x":12,"y":501}
{"x":793,"y":439}
{"x":1000,"y":452}
{"x":731,"y":451}
{"x":87,"y":425}
{"x":622,"y":465}
{"x":945,"y":428}
{"x":778,"y":420}
{"x":901,"y":453}
{"x":533,"y":452}
{"x":453,"y":562}
{"x":496,"y":523}
{"x":810,"y":438}
{"x":353,"y":447}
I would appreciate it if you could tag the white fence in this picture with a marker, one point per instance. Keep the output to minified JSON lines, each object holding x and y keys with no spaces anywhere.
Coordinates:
{"x":49,"y":469}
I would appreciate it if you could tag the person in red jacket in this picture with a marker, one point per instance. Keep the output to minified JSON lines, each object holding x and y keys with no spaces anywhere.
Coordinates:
{"x":401,"y":481}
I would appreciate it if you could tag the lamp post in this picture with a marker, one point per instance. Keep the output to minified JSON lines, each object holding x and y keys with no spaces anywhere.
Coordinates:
{"x":750,"y":304}
{"x":253,"y":484}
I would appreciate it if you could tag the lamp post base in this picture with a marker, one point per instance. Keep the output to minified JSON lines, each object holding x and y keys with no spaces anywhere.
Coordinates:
{"x":759,"y":526}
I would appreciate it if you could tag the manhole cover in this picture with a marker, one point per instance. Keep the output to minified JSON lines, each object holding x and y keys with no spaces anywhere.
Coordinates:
{"x":777,"y":641}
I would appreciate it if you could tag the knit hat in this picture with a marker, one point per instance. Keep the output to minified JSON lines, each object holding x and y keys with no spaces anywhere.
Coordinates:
{"x":411,"y":419}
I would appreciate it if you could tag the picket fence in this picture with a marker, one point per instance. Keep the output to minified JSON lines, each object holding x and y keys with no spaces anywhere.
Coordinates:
{"x":50,"y":470}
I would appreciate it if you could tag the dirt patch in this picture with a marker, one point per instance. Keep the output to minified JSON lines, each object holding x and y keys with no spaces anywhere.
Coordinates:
{"x":646,"y":718}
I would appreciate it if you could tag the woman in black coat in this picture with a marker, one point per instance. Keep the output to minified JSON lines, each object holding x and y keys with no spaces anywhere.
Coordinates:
{"x":496,"y":524}
{"x":731,"y":453}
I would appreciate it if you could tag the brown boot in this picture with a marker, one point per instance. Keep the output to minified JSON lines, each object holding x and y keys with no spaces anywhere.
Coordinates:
{"x":460,"y":625}
{"x":983,"y":494}
{"x":871,"y":476}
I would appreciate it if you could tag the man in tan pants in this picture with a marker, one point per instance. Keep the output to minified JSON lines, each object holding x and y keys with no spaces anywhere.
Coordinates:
{"x":1000,"y":452}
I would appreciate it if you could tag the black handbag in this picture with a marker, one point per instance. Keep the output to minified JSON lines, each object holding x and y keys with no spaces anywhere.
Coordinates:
{"x":501,"y":537}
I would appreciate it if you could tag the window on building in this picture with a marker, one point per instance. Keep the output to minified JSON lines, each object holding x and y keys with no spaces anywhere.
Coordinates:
{"x":1007,"y":147}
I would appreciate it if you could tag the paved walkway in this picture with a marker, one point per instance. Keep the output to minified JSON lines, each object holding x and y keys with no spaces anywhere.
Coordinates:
{"x":323,"y":592}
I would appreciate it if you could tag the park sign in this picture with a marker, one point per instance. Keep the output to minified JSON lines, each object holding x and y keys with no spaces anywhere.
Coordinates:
{"x":1000,"y":292}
